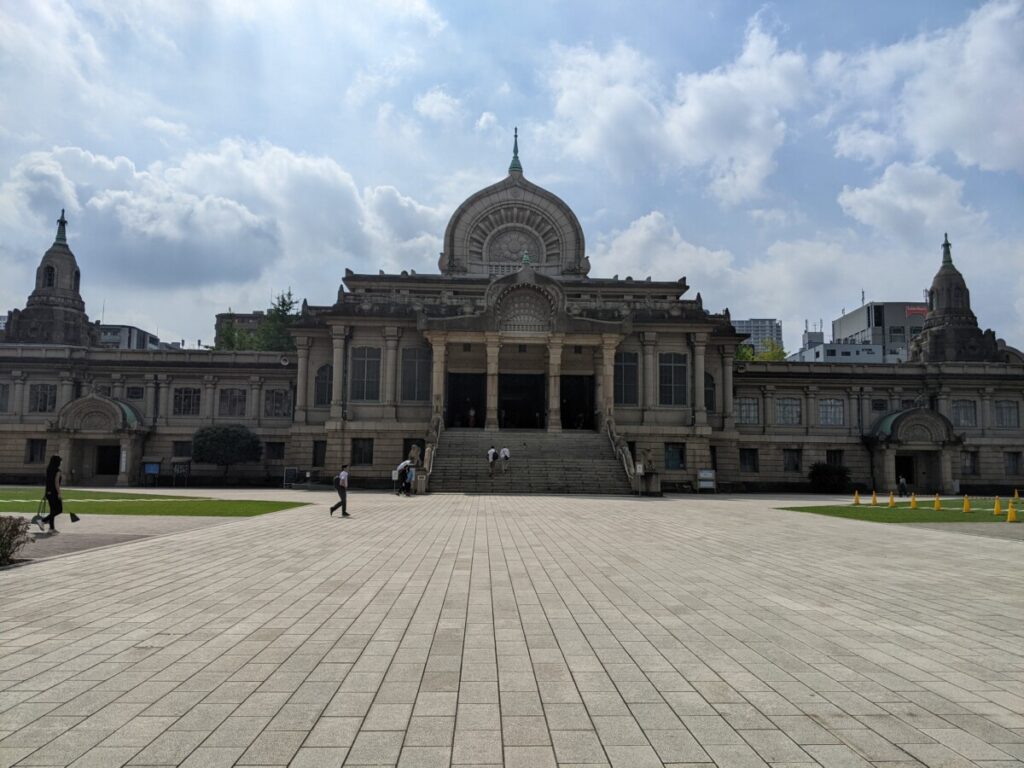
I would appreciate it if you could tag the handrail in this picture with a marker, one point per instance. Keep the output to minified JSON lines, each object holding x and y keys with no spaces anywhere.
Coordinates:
{"x":621,"y":448}
{"x":433,"y":443}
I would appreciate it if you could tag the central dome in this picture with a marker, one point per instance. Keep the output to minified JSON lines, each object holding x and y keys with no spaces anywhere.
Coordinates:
{"x":498,"y":229}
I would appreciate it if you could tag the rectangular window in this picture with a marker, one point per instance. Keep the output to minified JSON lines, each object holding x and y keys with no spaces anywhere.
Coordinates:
{"x":319,"y":453}
{"x":787,"y":411}
{"x":969,"y":463}
{"x":35,"y":451}
{"x":896,"y":332}
{"x":134,"y":392}
{"x":416,"y":365}
{"x":186,"y":401}
{"x":366,"y":373}
{"x":42,"y":398}
{"x":1013,"y":463}
{"x":182,"y":449}
{"x":714,"y":457}
{"x":362,"y":450}
{"x":232,"y":402}
{"x":277,"y":403}
{"x":834,"y":457}
{"x":102,"y":389}
{"x":627,"y":378}
{"x":5,"y":392}
{"x":675,"y":455}
{"x":748,"y":460}
{"x":792,"y":459}
{"x":274,"y":451}
{"x":965,"y":413}
{"x":747,"y":410}
{"x":906,"y":403}
{"x":672,"y":378}
{"x":1007,"y":413}
{"x":879,"y":405}
{"x":830,"y":412}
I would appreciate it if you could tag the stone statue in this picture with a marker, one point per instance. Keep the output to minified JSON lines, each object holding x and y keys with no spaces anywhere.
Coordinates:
{"x":414,"y":455}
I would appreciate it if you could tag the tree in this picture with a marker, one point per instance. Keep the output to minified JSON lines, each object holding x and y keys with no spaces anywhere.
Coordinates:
{"x":225,"y":444}
{"x":271,"y":335}
{"x":233,"y":337}
{"x":772,"y":351}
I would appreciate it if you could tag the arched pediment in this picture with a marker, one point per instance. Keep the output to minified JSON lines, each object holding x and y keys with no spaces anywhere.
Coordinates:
{"x":489,"y":233}
{"x":915,"y":426}
{"x":98,"y":413}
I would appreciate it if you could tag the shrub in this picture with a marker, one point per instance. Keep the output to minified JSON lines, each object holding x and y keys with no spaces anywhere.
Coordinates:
{"x":226,"y":444}
{"x":829,"y":478}
{"x":13,"y":536}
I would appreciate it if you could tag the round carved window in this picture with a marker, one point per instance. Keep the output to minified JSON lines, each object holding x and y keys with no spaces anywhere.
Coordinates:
{"x":525,"y":310}
{"x":509,"y":246}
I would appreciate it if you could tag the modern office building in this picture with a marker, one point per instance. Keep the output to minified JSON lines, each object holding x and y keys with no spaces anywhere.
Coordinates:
{"x":760,"y":330}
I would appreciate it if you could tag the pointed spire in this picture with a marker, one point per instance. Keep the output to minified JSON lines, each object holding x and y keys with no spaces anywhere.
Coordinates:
{"x":515,"y":166}
{"x":947,"y":256}
{"x":62,"y":233}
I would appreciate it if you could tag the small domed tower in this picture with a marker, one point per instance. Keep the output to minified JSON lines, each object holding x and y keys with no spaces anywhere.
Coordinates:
{"x":951,"y":330}
{"x":55,"y":312}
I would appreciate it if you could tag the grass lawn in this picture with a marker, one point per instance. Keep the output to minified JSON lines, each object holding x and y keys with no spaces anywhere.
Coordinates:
{"x":104,"y":502}
{"x":951,"y":512}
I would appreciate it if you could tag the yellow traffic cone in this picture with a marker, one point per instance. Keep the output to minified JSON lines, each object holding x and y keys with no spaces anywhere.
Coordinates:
{"x":937,"y":506}
{"x":1011,"y":512}
{"x":913,"y":501}
{"x":892,"y":500}
{"x":856,"y":498}
{"x":967,"y":504}
{"x":874,"y":499}
{"x":1016,"y":495}
{"x":997,"y":508}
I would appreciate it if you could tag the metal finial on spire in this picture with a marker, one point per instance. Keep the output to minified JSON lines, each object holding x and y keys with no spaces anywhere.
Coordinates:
{"x":62,"y":234}
{"x":947,"y":255}
{"x":515,"y":166}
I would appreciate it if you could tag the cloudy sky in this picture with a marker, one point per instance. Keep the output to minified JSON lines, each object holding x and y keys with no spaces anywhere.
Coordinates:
{"x":783,"y":157}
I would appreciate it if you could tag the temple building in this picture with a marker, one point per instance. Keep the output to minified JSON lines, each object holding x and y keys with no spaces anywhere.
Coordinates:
{"x":604,"y":384}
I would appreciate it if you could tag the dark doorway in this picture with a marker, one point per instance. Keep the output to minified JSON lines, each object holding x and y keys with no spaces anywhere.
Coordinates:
{"x":905,"y":468}
{"x":108,"y":459}
{"x":521,"y":401}
{"x":577,"y":402}
{"x":467,"y":400}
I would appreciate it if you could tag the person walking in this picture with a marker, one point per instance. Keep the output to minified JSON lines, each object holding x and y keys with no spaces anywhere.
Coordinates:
{"x":341,"y":486}
{"x":492,"y":456}
{"x":53,"y":496}
{"x":506,"y":458}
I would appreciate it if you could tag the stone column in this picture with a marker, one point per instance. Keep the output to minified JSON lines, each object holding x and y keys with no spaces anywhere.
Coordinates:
{"x":700,"y":411}
{"x":555,"y":384}
{"x":65,"y":390}
{"x":895,"y":398}
{"x":865,"y":409}
{"x":946,"y":469}
{"x":438,"y":351}
{"x":810,"y":414}
{"x":493,"y":352}
{"x":599,"y":384}
{"x":768,"y":406}
{"x":118,"y":389}
{"x":609,"y":344}
{"x":390,"y":377}
{"x":209,"y":392}
{"x":18,"y":405}
{"x":943,"y":401}
{"x":125,"y":468}
{"x":728,"y":417}
{"x":650,"y":376}
{"x":888,"y":470}
{"x":337,"y":369}
{"x":149,"y":404}
{"x":852,"y":409}
{"x":985,"y":422}
{"x":302,"y":383}
{"x":164,"y":406}
{"x":255,"y":406}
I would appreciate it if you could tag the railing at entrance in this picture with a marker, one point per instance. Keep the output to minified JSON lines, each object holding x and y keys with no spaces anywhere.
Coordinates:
{"x":621,"y":449}
{"x":433,"y":443}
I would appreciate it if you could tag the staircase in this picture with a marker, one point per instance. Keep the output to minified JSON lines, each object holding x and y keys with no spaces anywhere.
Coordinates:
{"x":542,"y":462}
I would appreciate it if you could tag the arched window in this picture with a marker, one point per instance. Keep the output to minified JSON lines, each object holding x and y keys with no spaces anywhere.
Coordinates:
{"x":709,"y":392}
{"x":49,"y":276}
{"x":322,"y":384}
{"x":78,"y":279}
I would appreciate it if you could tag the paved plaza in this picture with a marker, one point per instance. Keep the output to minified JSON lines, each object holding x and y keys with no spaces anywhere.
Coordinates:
{"x":519,"y":631}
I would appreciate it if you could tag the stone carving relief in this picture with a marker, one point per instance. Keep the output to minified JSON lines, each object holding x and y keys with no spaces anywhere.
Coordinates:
{"x":501,"y":234}
{"x":917,"y":433}
{"x":524,"y":309}
{"x":508,"y":246}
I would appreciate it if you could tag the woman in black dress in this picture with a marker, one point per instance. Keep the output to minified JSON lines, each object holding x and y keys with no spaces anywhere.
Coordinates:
{"x":53,"y":495}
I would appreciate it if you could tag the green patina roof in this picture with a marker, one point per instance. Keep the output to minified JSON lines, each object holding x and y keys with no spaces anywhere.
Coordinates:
{"x":515,"y":166}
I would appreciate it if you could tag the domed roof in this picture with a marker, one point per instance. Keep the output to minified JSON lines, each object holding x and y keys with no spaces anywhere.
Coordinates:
{"x":949,"y":301}
{"x":501,"y":227}
{"x":57,"y":277}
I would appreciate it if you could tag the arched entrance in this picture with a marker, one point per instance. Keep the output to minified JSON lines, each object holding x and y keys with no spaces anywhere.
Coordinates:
{"x":101,"y":440}
{"x":918,"y":445}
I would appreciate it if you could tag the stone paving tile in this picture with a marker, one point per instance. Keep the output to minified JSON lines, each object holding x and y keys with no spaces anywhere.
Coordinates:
{"x":568,"y":631}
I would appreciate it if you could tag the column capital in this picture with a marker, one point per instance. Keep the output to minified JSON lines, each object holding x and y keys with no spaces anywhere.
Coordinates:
{"x":391,"y":334}
{"x":338,"y":332}
{"x":700,"y":339}
{"x":610,"y":341}
{"x":648,"y":338}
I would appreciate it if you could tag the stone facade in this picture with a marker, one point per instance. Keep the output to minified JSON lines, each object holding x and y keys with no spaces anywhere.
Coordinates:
{"x":514,"y":335}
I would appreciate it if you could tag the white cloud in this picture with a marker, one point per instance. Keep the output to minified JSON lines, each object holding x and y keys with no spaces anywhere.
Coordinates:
{"x":912,"y":203}
{"x":959,"y":90}
{"x":860,"y":142}
{"x":437,"y":105}
{"x":486,"y":121}
{"x":727,"y":123}
{"x":166,"y":127}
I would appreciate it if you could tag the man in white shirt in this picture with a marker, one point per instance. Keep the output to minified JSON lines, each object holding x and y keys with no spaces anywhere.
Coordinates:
{"x":492,"y":455}
{"x":341,"y":486}
{"x":506,"y":457}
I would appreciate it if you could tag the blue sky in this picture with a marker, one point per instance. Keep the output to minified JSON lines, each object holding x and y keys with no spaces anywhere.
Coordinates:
{"x":782,"y":157}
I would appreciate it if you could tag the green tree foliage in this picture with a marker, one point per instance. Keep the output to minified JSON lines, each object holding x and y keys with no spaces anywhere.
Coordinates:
{"x":772,"y":351}
{"x":272,"y":334}
{"x":225,"y":444}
